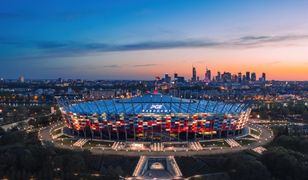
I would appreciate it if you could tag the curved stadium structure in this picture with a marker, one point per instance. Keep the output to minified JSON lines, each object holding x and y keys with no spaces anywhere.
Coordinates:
{"x":155,"y":117}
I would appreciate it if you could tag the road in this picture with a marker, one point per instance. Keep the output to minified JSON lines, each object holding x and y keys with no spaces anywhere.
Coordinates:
{"x":265,"y":138}
{"x":14,"y":124}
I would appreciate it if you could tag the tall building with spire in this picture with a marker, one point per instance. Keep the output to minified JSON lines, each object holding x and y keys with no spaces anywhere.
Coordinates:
{"x":263,"y":77}
{"x":208,"y":75}
{"x":194,"y":74}
{"x":218,"y":77}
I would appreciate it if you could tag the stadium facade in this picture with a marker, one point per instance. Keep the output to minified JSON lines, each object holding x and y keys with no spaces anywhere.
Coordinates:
{"x":155,"y":117}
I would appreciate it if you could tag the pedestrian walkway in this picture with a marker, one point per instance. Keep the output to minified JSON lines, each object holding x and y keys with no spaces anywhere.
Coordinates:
{"x":232,"y":143}
{"x":115,"y":145}
{"x":259,"y":149}
{"x":80,"y":142}
{"x":157,"y":167}
{"x":139,"y":166}
{"x":118,"y":145}
{"x":196,"y":146}
{"x":157,"y":147}
{"x":175,"y":166}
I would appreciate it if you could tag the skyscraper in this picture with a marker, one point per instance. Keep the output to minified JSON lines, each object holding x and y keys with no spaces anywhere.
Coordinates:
{"x":247,"y":76}
{"x":263,"y":76}
{"x":234,"y":78}
{"x":175,"y":76}
{"x":167,"y":78}
{"x":239,"y":77}
{"x":194,"y":74}
{"x":218,"y":77}
{"x":226,"y":77}
{"x":253,"y":76}
{"x":21,"y":79}
{"x":208,"y":75}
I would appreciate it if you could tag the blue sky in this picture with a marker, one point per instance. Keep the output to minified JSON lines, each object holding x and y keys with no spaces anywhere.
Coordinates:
{"x":141,"y":39}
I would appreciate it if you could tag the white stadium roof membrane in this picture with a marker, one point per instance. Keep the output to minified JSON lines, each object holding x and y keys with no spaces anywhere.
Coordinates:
{"x":154,"y":103}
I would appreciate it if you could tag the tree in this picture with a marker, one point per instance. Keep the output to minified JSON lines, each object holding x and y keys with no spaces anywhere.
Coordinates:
{"x":303,"y":146}
{"x":75,"y":163}
{"x":245,"y":167}
{"x":285,"y":164}
{"x":118,"y":171}
{"x":305,"y":115}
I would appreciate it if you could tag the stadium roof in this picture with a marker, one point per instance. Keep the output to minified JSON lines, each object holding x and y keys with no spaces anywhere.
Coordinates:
{"x":153,"y":103}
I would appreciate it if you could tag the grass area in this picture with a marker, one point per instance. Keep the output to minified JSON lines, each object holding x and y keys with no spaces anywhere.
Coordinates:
{"x":249,"y":136}
{"x":119,"y":165}
{"x":58,"y":131}
{"x":192,"y":165}
{"x":254,"y":132}
{"x":176,"y":145}
{"x":244,"y":142}
{"x":214,"y":144}
{"x":66,"y":141}
{"x":98,"y":144}
{"x":63,"y":136}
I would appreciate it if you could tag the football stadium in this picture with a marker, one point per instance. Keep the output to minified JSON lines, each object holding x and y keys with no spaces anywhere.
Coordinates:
{"x":154,"y":117}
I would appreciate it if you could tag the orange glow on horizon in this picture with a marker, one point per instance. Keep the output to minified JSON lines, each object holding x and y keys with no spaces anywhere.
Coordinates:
{"x":276,"y":62}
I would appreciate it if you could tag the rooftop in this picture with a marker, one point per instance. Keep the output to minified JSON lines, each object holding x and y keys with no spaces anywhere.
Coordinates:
{"x":153,"y":103}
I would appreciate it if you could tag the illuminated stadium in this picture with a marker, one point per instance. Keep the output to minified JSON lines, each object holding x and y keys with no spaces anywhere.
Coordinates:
{"x":154,"y":117}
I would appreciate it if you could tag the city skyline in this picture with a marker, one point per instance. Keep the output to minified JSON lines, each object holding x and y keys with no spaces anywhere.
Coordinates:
{"x":203,"y":76}
{"x":140,"y":40}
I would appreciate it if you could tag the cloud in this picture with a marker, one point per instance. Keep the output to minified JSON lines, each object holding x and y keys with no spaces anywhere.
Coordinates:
{"x":167,"y":45}
{"x":112,"y":66}
{"x":248,"y":38}
{"x":259,"y":40}
{"x":51,"y":44}
{"x":70,"y":48}
{"x":145,"y":65}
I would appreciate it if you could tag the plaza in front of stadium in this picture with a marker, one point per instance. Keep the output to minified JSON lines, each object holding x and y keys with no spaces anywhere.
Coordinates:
{"x":156,"y":127}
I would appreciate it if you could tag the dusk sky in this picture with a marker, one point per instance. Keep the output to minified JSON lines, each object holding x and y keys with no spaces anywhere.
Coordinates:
{"x":142,"y":39}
